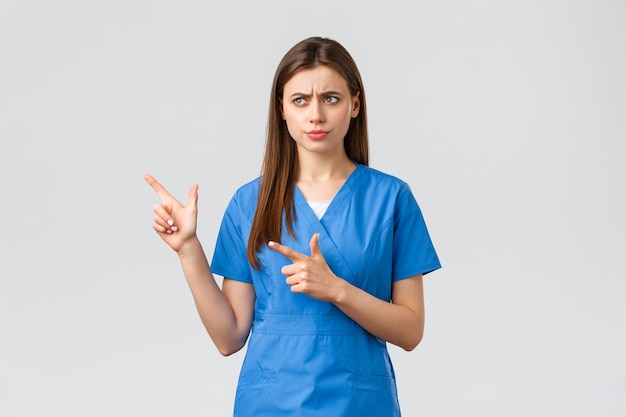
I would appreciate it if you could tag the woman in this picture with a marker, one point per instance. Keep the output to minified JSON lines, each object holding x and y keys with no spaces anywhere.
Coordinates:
{"x":322,"y":256}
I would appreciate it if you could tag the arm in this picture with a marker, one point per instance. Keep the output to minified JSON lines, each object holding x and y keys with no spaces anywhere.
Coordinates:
{"x":226,"y":313}
{"x":400,"y":322}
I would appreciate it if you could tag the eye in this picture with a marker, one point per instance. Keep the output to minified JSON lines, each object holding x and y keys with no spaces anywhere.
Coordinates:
{"x":331,"y":99}
{"x":299,"y":101}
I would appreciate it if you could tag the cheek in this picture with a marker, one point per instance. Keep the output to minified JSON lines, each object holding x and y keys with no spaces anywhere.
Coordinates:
{"x":349,"y":114}
{"x":291,"y":125}
{"x":294,"y":120}
{"x":289,"y":116}
{"x":291,"y":132}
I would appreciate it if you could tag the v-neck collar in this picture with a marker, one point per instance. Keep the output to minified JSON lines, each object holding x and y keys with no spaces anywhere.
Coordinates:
{"x":343,"y":194}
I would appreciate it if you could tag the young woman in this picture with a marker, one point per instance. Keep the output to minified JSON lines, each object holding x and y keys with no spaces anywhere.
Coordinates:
{"x":322,"y":256}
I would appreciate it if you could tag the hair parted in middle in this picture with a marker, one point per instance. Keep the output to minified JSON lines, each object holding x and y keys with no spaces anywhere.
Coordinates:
{"x":276,"y":194}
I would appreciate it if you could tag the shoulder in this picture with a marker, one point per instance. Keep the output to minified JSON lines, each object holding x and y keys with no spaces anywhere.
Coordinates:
{"x":382,"y":182}
{"x":249,"y":189}
{"x":385,"y":190}
{"x":245,"y":197}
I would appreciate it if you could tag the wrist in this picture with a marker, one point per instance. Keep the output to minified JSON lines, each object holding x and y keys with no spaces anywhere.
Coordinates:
{"x":189,"y":247}
{"x":342,"y":291}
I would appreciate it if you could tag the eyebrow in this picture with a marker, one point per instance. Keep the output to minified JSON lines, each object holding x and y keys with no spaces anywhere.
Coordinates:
{"x":323,"y":94}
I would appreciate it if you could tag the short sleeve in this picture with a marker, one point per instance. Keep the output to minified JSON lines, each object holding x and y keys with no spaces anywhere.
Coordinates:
{"x":413,"y":250}
{"x":229,"y":257}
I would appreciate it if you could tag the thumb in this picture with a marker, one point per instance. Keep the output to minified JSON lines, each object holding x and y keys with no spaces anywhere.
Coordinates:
{"x":192,"y":200}
{"x":316,"y":253}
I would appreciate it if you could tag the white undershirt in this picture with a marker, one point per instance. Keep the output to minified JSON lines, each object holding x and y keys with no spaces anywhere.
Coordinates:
{"x":319,"y":207}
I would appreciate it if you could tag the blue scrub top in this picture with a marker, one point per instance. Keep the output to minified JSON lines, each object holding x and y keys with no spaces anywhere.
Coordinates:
{"x":305,"y":357}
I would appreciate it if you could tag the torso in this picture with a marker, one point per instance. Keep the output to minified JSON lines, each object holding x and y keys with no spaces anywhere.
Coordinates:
{"x":305,"y":357}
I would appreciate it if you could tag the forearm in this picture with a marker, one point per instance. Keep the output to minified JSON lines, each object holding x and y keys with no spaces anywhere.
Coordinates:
{"x":214,"y":308}
{"x":397,"y":324}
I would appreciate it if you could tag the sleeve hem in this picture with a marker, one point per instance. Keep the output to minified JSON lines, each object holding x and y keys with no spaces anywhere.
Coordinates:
{"x":233,"y":276}
{"x":423,"y":270}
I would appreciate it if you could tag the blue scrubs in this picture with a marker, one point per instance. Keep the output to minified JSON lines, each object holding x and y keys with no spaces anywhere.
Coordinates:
{"x":306,"y":357}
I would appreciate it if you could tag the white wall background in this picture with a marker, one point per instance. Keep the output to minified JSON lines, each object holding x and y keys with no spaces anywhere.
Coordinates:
{"x":508,"y":119}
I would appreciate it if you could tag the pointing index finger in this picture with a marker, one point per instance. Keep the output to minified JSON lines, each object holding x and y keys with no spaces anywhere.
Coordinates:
{"x":286,"y":251}
{"x":156,"y":186}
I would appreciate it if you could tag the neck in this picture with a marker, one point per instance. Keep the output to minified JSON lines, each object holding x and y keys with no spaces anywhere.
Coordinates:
{"x":323,"y":167}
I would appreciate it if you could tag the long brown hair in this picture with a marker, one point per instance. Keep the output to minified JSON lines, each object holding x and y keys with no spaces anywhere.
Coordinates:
{"x":277,"y":188}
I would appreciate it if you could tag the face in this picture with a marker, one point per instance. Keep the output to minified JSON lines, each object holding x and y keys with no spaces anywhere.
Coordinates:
{"x":317,"y":106}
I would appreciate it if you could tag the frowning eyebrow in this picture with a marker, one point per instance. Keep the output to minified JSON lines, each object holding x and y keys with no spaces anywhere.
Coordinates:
{"x":323,"y":94}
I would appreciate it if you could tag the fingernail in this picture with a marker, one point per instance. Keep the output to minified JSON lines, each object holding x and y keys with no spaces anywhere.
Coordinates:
{"x":168,"y":231}
{"x":271,"y":243}
{"x":170,"y":222}
{"x":174,"y":228}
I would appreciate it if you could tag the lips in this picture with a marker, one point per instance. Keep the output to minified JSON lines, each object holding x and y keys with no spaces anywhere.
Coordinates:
{"x":317,"y":134}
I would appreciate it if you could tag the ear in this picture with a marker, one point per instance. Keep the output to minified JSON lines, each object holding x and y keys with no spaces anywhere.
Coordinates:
{"x":356,"y":105}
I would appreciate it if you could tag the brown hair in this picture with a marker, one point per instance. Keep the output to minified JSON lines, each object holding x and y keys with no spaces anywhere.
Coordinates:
{"x":277,"y":189}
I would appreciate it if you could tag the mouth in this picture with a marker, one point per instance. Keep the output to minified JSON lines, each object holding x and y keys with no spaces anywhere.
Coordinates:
{"x":317,"y":134}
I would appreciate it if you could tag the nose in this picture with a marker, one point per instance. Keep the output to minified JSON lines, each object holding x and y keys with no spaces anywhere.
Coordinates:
{"x":316,"y":112}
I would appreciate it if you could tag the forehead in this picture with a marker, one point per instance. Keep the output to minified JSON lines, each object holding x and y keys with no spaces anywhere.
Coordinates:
{"x":318,"y":78}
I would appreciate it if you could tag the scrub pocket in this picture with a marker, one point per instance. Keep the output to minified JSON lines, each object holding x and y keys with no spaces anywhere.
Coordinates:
{"x":257,"y":394}
{"x":255,"y":378}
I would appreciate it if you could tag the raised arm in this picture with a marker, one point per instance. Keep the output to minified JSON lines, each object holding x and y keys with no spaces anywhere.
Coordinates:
{"x":227,"y":312}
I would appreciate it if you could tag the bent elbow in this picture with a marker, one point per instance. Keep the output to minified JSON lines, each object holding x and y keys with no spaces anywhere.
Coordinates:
{"x":410,"y":346}
{"x":412,"y":343}
{"x":229,"y":349}
{"x":226,"y":351}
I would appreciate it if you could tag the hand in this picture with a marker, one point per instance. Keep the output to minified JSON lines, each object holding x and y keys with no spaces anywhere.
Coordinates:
{"x":175,"y":223}
{"x":310,"y":275}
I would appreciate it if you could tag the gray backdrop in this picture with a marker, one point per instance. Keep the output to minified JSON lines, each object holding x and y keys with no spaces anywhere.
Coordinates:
{"x":506,"y":118}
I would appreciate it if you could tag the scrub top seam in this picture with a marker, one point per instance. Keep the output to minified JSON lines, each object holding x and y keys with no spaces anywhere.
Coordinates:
{"x":345,"y":194}
{"x":370,"y":248}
